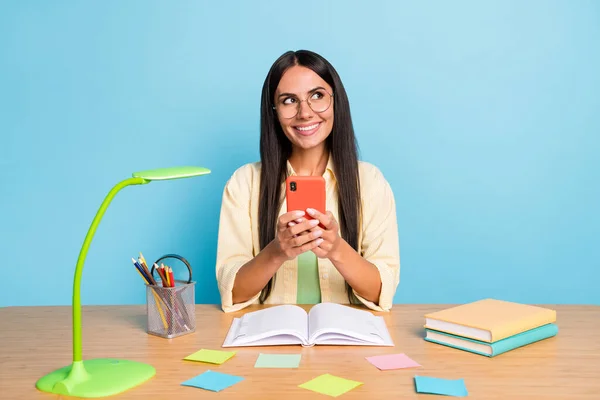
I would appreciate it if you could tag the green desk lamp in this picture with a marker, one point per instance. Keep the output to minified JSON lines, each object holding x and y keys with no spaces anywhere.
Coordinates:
{"x":103,"y":377}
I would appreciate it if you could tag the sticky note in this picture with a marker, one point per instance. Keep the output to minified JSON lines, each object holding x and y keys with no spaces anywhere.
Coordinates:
{"x":330,"y":385}
{"x":211,"y":380}
{"x":277,"y":361}
{"x":210,"y":356}
{"x":392,"y":361}
{"x":448,"y":387}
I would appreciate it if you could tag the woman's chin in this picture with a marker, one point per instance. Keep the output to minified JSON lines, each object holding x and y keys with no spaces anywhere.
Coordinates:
{"x":307,"y":143}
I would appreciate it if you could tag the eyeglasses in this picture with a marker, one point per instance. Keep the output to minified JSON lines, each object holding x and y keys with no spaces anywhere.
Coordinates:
{"x":319,"y":100}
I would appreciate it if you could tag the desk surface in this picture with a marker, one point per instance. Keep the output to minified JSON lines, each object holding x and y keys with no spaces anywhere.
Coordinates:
{"x":37,"y":340}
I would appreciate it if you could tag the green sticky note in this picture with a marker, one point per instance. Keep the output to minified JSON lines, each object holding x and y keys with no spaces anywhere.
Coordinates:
{"x":277,"y":361}
{"x":330,"y":385}
{"x":211,"y":356}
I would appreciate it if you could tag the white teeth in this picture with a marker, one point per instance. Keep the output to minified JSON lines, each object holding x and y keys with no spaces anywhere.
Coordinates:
{"x":307,"y":128}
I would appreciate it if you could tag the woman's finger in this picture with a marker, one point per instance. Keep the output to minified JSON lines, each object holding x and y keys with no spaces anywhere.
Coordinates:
{"x":324,"y":219}
{"x":301,"y":239}
{"x":288,"y":217}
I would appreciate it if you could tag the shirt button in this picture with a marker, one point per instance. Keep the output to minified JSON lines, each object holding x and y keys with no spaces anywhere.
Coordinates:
{"x":325,"y":276}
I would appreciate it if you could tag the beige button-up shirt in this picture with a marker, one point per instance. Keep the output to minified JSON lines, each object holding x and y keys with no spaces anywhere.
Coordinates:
{"x":238,"y":240}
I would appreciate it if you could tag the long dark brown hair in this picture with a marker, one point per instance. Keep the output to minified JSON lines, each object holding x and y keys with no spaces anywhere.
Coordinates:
{"x":275,"y":149}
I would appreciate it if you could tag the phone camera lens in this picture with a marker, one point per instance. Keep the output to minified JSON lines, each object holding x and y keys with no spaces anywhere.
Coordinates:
{"x":293,"y":186}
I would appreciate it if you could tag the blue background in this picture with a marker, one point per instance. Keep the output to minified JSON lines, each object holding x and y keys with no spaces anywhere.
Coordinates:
{"x":483,"y":116}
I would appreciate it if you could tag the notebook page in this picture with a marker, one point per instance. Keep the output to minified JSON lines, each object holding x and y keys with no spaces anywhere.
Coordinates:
{"x":279,"y":320}
{"x":277,"y":340}
{"x":336,"y":321}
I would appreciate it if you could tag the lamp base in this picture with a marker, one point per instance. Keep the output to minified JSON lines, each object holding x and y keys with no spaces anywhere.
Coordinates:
{"x":99,"y":377}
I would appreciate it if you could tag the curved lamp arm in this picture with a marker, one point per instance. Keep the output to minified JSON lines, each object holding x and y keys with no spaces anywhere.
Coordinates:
{"x":77,"y":356}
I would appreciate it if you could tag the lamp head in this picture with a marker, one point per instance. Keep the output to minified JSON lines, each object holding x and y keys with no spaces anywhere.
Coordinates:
{"x":162,"y":174}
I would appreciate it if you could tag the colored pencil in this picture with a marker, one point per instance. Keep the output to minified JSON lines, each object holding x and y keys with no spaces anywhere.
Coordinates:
{"x":143,"y":264}
{"x":143,"y":259}
{"x":171,"y":278}
{"x":156,"y":298}
{"x":160,"y":311}
{"x":166,"y":272}
{"x":161,"y":274}
{"x":138,"y":266}
{"x":142,"y":275}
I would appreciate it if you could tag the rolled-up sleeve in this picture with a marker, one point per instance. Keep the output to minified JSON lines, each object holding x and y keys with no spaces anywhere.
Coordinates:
{"x":234,"y":247}
{"x":380,"y":243}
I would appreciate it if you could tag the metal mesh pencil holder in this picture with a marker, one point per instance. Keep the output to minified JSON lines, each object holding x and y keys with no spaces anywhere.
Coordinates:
{"x":171,"y":311}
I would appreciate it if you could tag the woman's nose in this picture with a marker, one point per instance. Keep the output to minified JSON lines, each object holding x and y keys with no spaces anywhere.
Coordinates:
{"x":304,"y":110}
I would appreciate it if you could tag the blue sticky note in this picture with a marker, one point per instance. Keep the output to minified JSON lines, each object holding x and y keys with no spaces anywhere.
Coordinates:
{"x":448,"y":387}
{"x":215,"y":381}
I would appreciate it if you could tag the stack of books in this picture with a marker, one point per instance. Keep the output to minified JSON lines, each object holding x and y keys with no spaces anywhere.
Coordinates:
{"x":490,"y":327}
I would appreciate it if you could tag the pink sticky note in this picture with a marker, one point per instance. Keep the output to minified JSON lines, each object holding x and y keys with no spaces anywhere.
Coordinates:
{"x":392,"y":361}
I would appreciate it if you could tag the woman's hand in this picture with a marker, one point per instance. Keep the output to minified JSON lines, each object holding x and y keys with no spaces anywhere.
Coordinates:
{"x":296,"y":234}
{"x":330,"y":244}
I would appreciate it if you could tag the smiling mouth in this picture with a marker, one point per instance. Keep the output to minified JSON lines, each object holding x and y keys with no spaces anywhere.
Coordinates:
{"x":307,"y":130}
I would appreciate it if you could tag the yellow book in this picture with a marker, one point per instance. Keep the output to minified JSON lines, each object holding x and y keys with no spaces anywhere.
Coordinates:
{"x":489,"y":320}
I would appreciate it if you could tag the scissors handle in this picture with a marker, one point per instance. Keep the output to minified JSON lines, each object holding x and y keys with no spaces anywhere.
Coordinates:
{"x":183,"y":260}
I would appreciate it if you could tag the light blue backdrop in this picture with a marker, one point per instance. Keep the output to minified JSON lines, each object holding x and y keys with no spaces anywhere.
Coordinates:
{"x":484,"y":117}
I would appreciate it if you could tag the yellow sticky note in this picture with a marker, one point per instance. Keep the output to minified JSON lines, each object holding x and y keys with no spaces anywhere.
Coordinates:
{"x":330,"y":385}
{"x":210,"y":356}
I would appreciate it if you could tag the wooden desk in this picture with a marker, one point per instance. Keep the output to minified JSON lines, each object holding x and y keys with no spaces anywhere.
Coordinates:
{"x":37,"y":340}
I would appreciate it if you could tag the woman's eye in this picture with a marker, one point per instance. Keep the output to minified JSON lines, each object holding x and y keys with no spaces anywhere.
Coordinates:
{"x":317,"y":96}
{"x":289,"y":100}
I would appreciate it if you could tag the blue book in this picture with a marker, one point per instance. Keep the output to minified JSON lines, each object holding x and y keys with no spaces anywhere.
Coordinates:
{"x":494,"y":348}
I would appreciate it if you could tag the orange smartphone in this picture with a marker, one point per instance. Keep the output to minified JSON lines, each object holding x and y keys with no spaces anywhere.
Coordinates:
{"x":302,"y":192}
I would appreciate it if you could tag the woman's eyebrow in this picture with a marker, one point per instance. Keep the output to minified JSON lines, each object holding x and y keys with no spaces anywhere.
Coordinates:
{"x":293,"y":94}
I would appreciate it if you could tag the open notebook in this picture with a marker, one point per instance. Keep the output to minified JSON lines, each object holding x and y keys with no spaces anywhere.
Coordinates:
{"x":325,"y":323}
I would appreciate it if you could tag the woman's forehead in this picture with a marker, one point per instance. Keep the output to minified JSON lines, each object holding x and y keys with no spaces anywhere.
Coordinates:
{"x":300,"y":80}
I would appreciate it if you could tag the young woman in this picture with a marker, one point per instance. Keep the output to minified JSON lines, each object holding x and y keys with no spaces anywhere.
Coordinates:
{"x":268,"y":255}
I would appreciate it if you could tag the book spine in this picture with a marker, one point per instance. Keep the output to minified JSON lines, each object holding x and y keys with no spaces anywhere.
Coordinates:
{"x":523,"y":339}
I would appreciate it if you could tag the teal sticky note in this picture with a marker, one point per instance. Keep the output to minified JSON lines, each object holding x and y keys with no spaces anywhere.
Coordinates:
{"x":214,"y":381}
{"x":277,"y":361}
{"x":448,"y":387}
